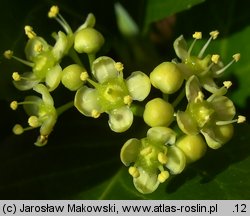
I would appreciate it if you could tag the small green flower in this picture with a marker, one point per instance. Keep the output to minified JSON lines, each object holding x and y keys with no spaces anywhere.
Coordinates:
{"x":42,"y":114}
{"x":210,"y":116}
{"x":152,"y":159}
{"x":112,"y":93}
{"x":205,"y":68}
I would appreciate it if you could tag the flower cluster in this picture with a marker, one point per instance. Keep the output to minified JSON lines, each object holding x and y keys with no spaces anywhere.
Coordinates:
{"x":100,"y":87}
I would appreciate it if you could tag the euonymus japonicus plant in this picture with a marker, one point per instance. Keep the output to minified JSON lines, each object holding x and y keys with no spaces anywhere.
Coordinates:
{"x":177,"y":135}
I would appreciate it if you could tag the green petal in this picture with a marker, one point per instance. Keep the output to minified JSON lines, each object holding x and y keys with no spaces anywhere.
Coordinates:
{"x":30,"y":48}
{"x":186,"y":123}
{"x":224,"y":108}
{"x":139,"y":85}
{"x":53,"y":77}
{"x":147,"y":182}
{"x":61,"y":46}
{"x":176,"y":160}
{"x":129,"y":151}
{"x":103,"y":69}
{"x":86,"y":100}
{"x":209,"y":84}
{"x":32,"y":109}
{"x":48,"y":125}
{"x":28,"y":83}
{"x":162,"y":135}
{"x":192,"y":88}
{"x":212,"y":142}
{"x":46,"y":97}
{"x":120,"y":119}
{"x":180,"y":47}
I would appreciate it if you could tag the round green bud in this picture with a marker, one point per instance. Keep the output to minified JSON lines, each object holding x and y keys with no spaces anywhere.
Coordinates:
{"x":71,"y":77}
{"x":88,"y":40}
{"x":224,"y":132}
{"x":193,"y":146}
{"x":158,"y":113}
{"x":167,"y":77}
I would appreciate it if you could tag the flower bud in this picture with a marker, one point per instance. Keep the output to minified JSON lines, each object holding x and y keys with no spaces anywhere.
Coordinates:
{"x":88,"y":40}
{"x":193,"y":146}
{"x":71,"y":77}
{"x":158,"y":113}
{"x":167,"y":77}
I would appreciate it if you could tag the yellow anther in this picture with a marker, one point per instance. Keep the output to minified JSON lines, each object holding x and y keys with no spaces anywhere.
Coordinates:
{"x":162,"y":158}
{"x":241,"y":119}
{"x":197,"y":35}
{"x":18,"y":129}
{"x":133,"y":171}
{"x":8,"y":54}
{"x":227,"y":84}
{"x":199,"y":97}
{"x":16,"y":76}
{"x":127,"y":100}
{"x":33,"y":121}
{"x":95,"y":113}
{"x":29,"y":32}
{"x":119,"y":66}
{"x":13,"y":105}
{"x":215,"y":58}
{"x":236,"y":57}
{"x":54,"y":10}
{"x":38,"y":47}
{"x":214,"y":34}
{"x":84,"y":76}
{"x":163,"y":176}
{"x":146,"y":151}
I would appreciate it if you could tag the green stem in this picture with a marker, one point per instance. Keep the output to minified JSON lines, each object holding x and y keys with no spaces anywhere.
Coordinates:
{"x":75,"y":57}
{"x":64,"y":107}
{"x":91,"y":59}
{"x":137,"y":110}
{"x":179,"y":98}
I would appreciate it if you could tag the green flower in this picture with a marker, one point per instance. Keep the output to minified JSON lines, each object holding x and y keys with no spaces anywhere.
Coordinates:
{"x":212,"y":117}
{"x":151,"y":160}
{"x":112,"y":93}
{"x":42,"y":114}
{"x":205,"y":68}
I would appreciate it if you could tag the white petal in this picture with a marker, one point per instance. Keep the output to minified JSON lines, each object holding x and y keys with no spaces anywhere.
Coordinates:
{"x":162,"y":134}
{"x":138,"y":85}
{"x":180,"y":47}
{"x":176,"y":160}
{"x":103,"y":69}
{"x":211,"y":141}
{"x":192,"y":88}
{"x":61,"y":46}
{"x":28,"y":83}
{"x":86,"y":101}
{"x":43,"y":90}
{"x":120,"y":119}
{"x":53,"y":77}
{"x":147,"y":182}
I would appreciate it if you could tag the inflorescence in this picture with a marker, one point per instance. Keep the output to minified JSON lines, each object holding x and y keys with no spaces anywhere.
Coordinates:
{"x":207,"y":120}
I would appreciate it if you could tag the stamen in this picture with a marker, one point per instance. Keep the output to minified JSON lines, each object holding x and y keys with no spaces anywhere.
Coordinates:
{"x":8,"y":54}
{"x":163,"y":176}
{"x":199,"y":97}
{"x":18,"y":129}
{"x":239,"y":120}
{"x":38,"y":48}
{"x":236,"y":58}
{"x":84,"y":76}
{"x":119,"y":66}
{"x":162,"y":158}
{"x":146,"y":151}
{"x":14,"y":105}
{"x":227,"y":84}
{"x":133,"y":171}
{"x":33,"y":121}
{"x":196,"y":36}
{"x":29,"y":32}
{"x":127,"y":100}
{"x":16,"y":76}
{"x":95,"y":113}
{"x":213,"y":35}
{"x":53,"y":12}
{"x":215,"y":58}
